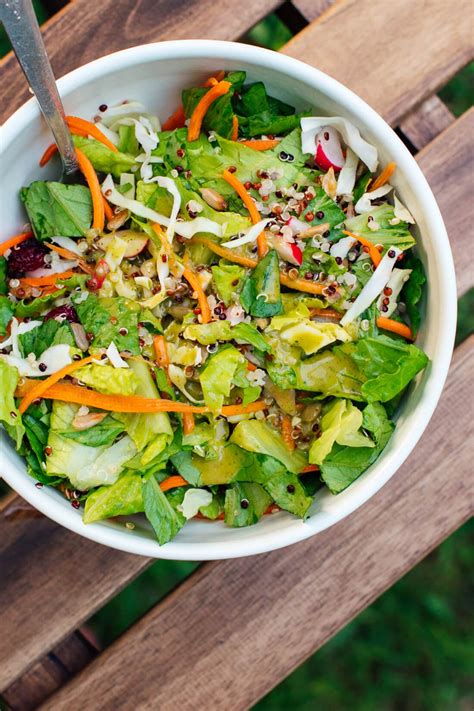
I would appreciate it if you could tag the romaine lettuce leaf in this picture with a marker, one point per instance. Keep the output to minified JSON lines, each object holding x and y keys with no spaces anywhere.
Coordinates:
{"x":9,"y":415}
{"x":103,"y":433}
{"x":388,"y":366}
{"x":107,"y":379}
{"x":36,"y":423}
{"x":332,"y":372}
{"x":257,"y":436}
{"x":3,"y":276}
{"x":34,"y":307}
{"x":324,"y":209}
{"x":412,"y":292}
{"x":236,"y":512}
{"x":283,"y":486}
{"x":217,"y":375}
{"x":221,"y":469}
{"x":397,"y":235}
{"x":228,"y":280}
{"x":344,"y":464}
{"x":109,"y":319}
{"x":310,"y":336}
{"x":260,"y":295}
{"x":120,"y":499}
{"x":50,"y":333}
{"x":291,"y":145}
{"x":340,"y":423}
{"x":209,"y":333}
{"x":6,"y":312}
{"x":57,"y":209}
{"x":102,"y":158}
{"x":164,"y":518}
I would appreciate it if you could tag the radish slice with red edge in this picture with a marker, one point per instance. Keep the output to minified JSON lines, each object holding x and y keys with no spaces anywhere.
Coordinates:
{"x":328,"y":150}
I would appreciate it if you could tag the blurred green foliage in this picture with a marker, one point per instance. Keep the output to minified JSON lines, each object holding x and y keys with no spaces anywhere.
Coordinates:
{"x":412,"y":649}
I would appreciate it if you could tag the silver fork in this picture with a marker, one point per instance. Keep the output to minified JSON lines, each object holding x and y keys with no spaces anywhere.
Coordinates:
{"x":22,"y":28}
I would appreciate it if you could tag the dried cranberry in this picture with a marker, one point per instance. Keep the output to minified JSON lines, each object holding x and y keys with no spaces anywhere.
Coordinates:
{"x":66,"y":310}
{"x":26,"y":257}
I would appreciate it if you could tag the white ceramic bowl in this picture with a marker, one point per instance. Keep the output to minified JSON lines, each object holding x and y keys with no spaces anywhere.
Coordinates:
{"x":155,"y":75}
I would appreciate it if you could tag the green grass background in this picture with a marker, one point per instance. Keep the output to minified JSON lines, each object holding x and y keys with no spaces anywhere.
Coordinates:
{"x":412,"y":649}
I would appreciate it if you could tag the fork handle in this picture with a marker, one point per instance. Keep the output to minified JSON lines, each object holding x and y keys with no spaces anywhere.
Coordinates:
{"x":22,"y":28}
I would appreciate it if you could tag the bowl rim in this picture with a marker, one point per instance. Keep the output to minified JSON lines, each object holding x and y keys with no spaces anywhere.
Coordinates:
{"x":386,"y":466}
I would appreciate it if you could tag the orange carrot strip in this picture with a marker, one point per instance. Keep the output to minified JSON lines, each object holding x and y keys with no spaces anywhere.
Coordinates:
{"x":172,"y":482}
{"x":235,"y":128}
{"x":262,"y":145}
{"x":188,"y":422}
{"x":201,"y":296}
{"x":250,"y":205}
{"x":389,"y":324}
{"x":128,"y":403}
{"x":87,"y":169}
{"x":161,"y":351}
{"x":203,"y":105}
{"x":212,"y":81}
{"x":373,"y":251}
{"x":251,"y":366}
{"x":90,"y":129}
{"x":310,"y":287}
{"x":13,"y":241}
{"x":48,"y":154}
{"x":309,"y":468}
{"x":326,"y":313}
{"x":176,"y":120}
{"x":286,"y":433}
{"x":40,"y":388}
{"x":46,"y":280}
{"x":384,"y":177}
{"x":67,"y":254}
{"x":109,"y":213}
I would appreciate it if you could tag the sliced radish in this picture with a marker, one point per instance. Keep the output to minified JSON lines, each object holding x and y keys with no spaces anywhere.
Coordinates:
{"x":136,"y":242}
{"x":312,"y":125}
{"x":289,"y":251}
{"x":328,"y":149}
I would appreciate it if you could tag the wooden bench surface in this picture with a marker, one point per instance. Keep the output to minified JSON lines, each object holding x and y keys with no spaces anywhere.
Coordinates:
{"x":235,"y":625}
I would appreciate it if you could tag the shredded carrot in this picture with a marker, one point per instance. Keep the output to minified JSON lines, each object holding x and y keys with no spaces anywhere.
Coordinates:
{"x":176,"y":120}
{"x":219,"y":76}
{"x":161,"y":352}
{"x":51,"y":150}
{"x":310,"y":287}
{"x":389,"y":324}
{"x":261,"y":145}
{"x":235,"y":128}
{"x":384,"y":176}
{"x":43,"y":385}
{"x":90,"y":129}
{"x":234,"y":182}
{"x":287,"y":432}
{"x":373,"y":251}
{"x":109,"y":213}
{"x":203,"y":105}
{"x":212,"y":81}
{"x":127,"y":403}
{"x":46,"y":280}
{"x":172,"y":482}
{"x":67,"y":254}
{"x":201,"y":296}
{"x":188,"y":422}
{"x":251,"y":366}
{"x":13,"y":241}
{"x":87,"y":169}
{"x":309,"y":468}
{"x":326,"y":313}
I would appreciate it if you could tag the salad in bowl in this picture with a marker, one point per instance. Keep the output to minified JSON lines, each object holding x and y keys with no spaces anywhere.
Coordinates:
{"x":216,"y":322}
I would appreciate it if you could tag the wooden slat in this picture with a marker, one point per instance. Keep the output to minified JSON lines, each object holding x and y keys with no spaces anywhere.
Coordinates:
{"x":234,"y":629}
{"x":76,"y":562}
{"x":426,"y":122}
{"x":52,"y":580}
{"x":85,"y":30}
{"x":448,"y":164}
{"x":393,"y":54}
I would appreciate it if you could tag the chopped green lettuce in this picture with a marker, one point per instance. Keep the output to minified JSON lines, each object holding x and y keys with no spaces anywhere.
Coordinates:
{"x":228,"y":279}
{"x":57,"y":209}
{"x":217,"y":375}
{"x":164,"y":518}
{"x":257,"y":436}
{"x":7,"y":309}
{"x":102,"y":158}
{"x":332,"y":372}
{"x":387,"y":234}
{"x":9,"y":415}
{"x":260,"y":295}
{"x":49,"y":333}
{"x":109,"y":319}
{"x":323,"y":208}
{"x":209,"y":333}
{"x":107,"y":379}
{"x":120,"y":499}
{"x":412,"y":292}
{"x":103,"y":433}
{"x":310,"y":336}
{"x":3,"y":276}
{"x":340,"y":423}
{"x":256,"y":501}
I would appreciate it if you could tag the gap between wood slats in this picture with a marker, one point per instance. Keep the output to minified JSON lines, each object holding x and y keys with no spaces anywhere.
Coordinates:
{"x":238,"y":627}
{"x":32,"y":551}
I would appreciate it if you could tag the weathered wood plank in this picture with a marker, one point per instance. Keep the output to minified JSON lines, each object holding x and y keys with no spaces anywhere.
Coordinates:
{"x":448,"y":165}
{"x":393,"y":54}
{"x":83,"y":31}
{"x":52,"y":580}
{"x":296,"y":600}
{"x":426,"y":122}
{"x":38,"y":557}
